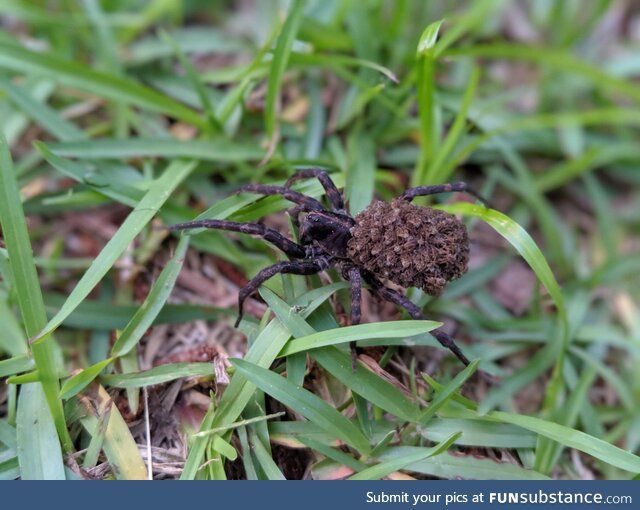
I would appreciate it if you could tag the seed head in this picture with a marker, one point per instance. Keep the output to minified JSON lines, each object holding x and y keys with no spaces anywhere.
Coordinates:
{"x":410,"y":245}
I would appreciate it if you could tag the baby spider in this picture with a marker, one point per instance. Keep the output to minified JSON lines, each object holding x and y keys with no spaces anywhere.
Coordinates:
{"x":406,"y":244}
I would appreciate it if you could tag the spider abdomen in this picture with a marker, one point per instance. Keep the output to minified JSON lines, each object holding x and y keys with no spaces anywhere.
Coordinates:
{"x":410,"y":245}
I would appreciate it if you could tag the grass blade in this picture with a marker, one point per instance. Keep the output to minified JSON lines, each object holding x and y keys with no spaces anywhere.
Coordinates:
{"x":387,"y":467}
{"x":278,"y":65}
{"x":72,"y":74}
{"x":305,"y":403}
{"x":39,"y":451}
{"x":366,"y":384}
{"x":159,"y":375}
{"x":26,"y":284}
{"x":391,"y":329}
{"x":148,"y":207}
{"x":154,"y":302}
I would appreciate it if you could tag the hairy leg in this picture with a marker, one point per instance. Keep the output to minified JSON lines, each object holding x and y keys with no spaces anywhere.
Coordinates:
{"x":334,"y":196}
{"x":307,"y":203}
{"x":302,"y":267}
{"x":421,"y":191}
{"x":356,"y":308}
{"x":415,"y":312}
{"x":292,"y":249}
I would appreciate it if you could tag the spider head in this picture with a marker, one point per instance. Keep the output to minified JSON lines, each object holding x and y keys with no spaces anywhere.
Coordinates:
{"x":329,"y":230}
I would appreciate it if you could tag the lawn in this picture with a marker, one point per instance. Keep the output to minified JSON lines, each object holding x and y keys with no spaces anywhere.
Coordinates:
{"x":119,"y":357}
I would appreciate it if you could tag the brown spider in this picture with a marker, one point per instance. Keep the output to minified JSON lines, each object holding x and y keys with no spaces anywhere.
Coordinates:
{"x":406,"y":244}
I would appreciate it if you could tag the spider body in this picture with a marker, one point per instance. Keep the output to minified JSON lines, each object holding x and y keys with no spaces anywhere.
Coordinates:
{"x":398,"y":241}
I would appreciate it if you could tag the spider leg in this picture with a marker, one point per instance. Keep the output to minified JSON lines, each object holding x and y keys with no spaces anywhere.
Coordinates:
{"x":307,"y":203}
{"x":292,"y":249}
{"x":302,"y":267}
{"x":421,"y":191}
{"x":334,"y":196}
{"x":356,"y":308}
{"x":415,"y":312}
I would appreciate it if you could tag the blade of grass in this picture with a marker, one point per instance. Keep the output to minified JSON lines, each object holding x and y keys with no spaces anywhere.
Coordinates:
{"x":119,"y":446}
{"x":305,"y":403}
{"x":365,"y":383}
{"x":553,"y":58}
{"x":72,"y":74}
{"x":384,"y":468}
{"x":159,"y":375}
{"x":29,"y":295}
{"x":391,"y":329}
{"x":434,"y":174}
{"x":154,"y":302}
{"x":218,"y":150}
{"x":38,"y":445}
{"x":443,"y":396}
{"x":158,"y":193}
{"x":429,"y":130}
{"x":45,"y":116}
{"x":278,"y":65}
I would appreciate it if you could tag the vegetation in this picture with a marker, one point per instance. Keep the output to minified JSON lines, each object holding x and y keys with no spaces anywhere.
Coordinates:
{"x":117,"y":351}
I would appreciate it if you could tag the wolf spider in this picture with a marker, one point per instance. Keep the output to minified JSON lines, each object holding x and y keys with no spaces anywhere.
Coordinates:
{"x":397,"y":241}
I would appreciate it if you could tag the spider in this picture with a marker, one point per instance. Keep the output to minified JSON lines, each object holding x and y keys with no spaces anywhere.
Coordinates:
{"x":398,"y":241}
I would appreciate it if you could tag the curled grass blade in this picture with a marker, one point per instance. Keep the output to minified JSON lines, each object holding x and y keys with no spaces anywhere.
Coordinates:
{"x":524,"y":245}
{"x":305,"y":403}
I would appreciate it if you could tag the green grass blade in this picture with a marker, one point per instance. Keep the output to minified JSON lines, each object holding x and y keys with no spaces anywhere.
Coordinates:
{"x":572,"y":438}
{"x":391,"y":329}
{"x":218,"y":150}
{"x":39,"y":451}
{"x":434,"y":173}
{"x":146,"y":209}
{"x":154,"y":302}
{"x":158,"y":375}
{"x":279,"y":64}
{"x":72,"y":74}
{"x":41,"y":113}
{"x":384,"y":468}
{"x":523,"y":243}
{"x":426,"y":85}
{"x":462,"y":466}
{"x":305,"y":403}
{"x":450,"y":389}
{"x":550,"y":57}
{"x":81,"y":380}
{"x":117,"y":442}
{"x":29,"y":295}
{"x":366,"y":384}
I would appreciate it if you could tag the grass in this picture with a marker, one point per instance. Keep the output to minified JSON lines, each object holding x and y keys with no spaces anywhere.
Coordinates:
{"x":118,"y":119}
